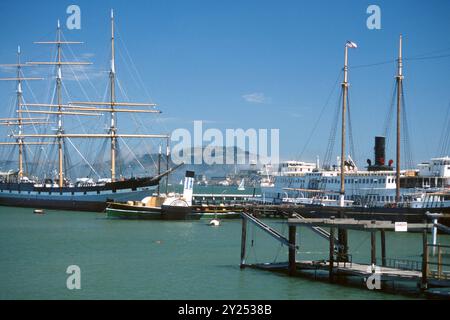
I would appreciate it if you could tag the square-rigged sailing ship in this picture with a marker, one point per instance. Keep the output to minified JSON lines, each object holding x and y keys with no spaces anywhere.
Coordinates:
{"x":59,"y":192}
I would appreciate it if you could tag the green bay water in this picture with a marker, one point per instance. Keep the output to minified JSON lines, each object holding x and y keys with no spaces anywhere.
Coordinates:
{"x":122,"y":259}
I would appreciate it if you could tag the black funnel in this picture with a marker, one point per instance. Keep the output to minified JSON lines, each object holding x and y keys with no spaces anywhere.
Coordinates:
{"x":380,"y":153}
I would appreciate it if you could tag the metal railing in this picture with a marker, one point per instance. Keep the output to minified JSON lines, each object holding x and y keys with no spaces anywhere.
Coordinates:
{"x":437,"y":269}
{"x":404,"y":264}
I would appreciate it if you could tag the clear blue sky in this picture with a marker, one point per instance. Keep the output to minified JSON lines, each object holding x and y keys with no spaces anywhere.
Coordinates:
{"x":200,"y":59}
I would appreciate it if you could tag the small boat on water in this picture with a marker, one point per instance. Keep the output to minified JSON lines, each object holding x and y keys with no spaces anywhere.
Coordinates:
{"x":158,"y":207}
{"x":214,"y":223}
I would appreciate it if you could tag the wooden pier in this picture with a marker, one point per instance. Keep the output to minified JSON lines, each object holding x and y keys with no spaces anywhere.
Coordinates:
{"x":392,"y":275}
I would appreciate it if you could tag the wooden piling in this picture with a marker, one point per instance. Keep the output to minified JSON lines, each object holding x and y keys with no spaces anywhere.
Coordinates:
{"x":439,"y":270}
{"x":424,"y":259}
{"x":383,"y":248}
{"x":243,"y":242}
{"x":343,"y":242}
{"x":343,"y":245}
{"x":292,"y":259}
{"x":373,"y":250}
{"x":331,"y":254}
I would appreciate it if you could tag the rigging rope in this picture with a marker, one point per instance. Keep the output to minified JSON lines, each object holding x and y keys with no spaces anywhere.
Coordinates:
{"x":408,"y":152}
{"x":350,"y":130}
{"x":389,"y":116}
{"x":332,"y":138}
{"x":444,"y":140}
{"x":322,"y":111}
{"x":82,"y":157}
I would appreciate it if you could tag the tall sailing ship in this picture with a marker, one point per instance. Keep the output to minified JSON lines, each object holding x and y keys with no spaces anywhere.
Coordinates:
{"x":18,"y":188}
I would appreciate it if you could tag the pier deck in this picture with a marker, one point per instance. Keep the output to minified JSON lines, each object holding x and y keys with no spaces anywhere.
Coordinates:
{"x":396,"y":275}
{"x":348,"y":268}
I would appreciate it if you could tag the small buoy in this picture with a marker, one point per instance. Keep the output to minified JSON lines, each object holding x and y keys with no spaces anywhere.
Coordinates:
{"x":38,"y":211}
{"x":214,"y":222}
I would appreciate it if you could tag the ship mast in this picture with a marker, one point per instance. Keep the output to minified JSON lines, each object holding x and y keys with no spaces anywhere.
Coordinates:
{"x":112,"y":129}
{"x":345,"y":85}
{"x":159,"y":167}
{"x":59,"y":105}
{"x":399,"y":79}
{"x":19,"y":120}
{"x":112,"y":107}
{"x":167,"y":163}
{"x":59,"y":102}
{"x":19,"y":114}
{"x":90,"y":108}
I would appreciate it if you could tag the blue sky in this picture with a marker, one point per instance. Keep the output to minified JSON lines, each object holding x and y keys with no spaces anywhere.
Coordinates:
{"x":255,"y":63}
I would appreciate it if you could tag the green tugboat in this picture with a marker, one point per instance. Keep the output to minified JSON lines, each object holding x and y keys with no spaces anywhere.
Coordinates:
{"x":158,"y":207}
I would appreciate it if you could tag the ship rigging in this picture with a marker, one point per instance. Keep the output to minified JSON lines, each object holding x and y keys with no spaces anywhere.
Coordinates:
{"x":62,"y":193}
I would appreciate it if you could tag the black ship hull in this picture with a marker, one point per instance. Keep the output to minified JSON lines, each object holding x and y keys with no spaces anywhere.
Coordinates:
{"x":79,"y":198}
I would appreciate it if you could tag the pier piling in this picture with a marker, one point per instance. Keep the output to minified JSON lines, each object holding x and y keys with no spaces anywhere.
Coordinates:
{"x":243,"y":242}
{"x":383,"y":247}
{"x":373,"y":247}
{"x":331,"y":254}
{"x":424,"y":280}
{"x":292,"y":259}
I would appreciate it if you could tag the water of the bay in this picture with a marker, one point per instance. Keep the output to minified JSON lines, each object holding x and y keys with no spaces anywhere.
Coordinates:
{"x":122,"y":259}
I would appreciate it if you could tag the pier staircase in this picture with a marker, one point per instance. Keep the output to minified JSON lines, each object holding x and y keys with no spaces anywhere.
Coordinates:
{"x":318,"y":230}
{"x":269,"y":230}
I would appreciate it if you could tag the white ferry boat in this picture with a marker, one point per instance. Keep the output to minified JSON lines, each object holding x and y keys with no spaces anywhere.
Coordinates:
{"x":300,"y":182}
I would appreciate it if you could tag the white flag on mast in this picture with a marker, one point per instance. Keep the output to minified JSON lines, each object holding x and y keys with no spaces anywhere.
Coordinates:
{"x":351,"y":44}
